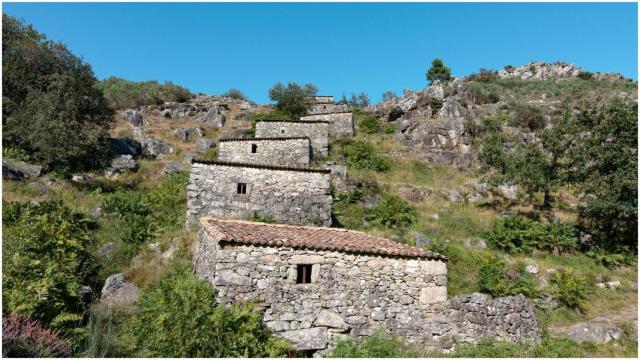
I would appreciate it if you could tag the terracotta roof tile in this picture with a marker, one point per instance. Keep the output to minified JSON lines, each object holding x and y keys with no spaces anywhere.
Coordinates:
{"x":308,"y":237}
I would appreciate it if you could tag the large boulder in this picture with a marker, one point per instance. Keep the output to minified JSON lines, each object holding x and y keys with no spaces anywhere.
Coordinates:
{"x":124,"y":163}
{"x":153,"y":147}
{"x":204,"y":143}
{"x":214,"y":117}
{"x":594,"y":332}
{"x":445,"y":142}
{"x":125,"y":146}
{"x":172,"y":167}
{"x":307,"y":339}
{"x":185,"y":134}
{"x":19,"y":170}
{"x":117,"y":291}
{"x":134,"y":117}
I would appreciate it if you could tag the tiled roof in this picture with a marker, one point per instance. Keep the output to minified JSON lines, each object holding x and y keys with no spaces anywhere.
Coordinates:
{"x":260,"y":166}
{"x":297,"y":121}
{"x":308,"y":237}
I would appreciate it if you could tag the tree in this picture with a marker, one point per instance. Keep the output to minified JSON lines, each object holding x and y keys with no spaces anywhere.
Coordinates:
{"x":530,"y":165}
{"x":293,"y":100}
{"x":388,"y":96}
{"x":599,"y":149}
{"x":235,"y":94}
{"x":51,"y":107}
{"x":438,"y":71}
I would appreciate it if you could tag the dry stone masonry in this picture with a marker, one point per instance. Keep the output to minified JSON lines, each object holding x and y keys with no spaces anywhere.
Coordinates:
{"x":341,"y":122}
{"x":317,"y":285}
{"x":235,"y":190}
{"x":316,"y":131}
{"x":324,"y":105}
{"x":294,"y":151}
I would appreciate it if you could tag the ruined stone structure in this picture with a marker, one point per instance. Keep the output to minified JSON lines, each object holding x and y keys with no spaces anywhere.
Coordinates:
{"x":324,"y":105}
{"x":316,"y":285}
{"x":293,"y":151}
{"x":341,"y":122}
{"x":316,"y":131}
{"x":236,"y":190}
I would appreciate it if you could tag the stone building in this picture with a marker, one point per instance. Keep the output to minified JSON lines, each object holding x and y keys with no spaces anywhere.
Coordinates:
{"x":291,"y":151}
{"x":325,"y":105}
{"x":291,"y":195}
{"x":341,"y":122}
{"x":317,"y":285}
{"x":316,"y":131}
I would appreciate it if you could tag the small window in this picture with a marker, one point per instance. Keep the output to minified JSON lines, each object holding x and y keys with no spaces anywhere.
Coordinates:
{"x":242,"y":188}
{"x":304,"y":274}
{"x":281,"y":131}
{"x":254,"y":148}
{"x":324,"y":107}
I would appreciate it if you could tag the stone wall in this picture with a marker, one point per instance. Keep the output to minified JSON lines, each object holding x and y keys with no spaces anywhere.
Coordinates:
{"x":327,"y":108}
{"x":352,"y":294}
{"x":322,"y":99}
{"x":341,"y":122}
{"x":286,"y":151}
{"x":316,"y":131}
{"x":290,"y":196}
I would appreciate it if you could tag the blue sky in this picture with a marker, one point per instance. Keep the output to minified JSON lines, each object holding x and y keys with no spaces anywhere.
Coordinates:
{"x":338,"y":47}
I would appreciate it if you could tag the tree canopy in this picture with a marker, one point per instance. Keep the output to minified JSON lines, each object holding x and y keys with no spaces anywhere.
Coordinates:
{"x":293,"y":100}
{"x":438,"y":71}
{"x":51,"y":107}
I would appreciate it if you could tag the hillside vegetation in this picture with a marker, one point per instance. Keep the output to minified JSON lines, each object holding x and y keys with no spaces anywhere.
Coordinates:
{"x":545,"y":207}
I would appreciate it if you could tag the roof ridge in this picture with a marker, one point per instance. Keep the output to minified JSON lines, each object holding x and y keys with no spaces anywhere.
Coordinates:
{"x":261,"y":166}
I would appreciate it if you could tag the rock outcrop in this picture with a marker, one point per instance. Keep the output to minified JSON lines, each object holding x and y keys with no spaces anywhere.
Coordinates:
{"x":119,"y":292}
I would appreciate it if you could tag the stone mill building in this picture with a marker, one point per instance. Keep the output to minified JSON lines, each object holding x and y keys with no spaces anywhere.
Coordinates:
{"x":286,"y":151}
{"x":316,"y":285}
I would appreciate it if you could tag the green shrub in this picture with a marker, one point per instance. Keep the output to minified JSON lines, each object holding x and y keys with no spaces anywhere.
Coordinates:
{"x":235,"y":94}
{"x":585,"y":75}
{"x":484,"y":93}
{"x":389,"y":129}
{"x":494,"y":279}
{"x":368,"y":123}
{"x":45,"y":262}
{"x":168,"y":202}
{"x":613,"y":259}
{"x":518,"y":234}
{"x":101,"y":337}
{"x":362,"y":155}
{"x":571,"y":289}
{"x":529,"y":116}
{"x":377,"y":345}
{"x":293,"y":99}
{"x":179,"y":318}
{"x":123,"y":94}
{"x":391,"y":212}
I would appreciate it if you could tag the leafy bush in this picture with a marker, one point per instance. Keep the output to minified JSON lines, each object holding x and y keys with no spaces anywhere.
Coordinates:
{"x":494,"y":279}
{"x":571,"y":289}
{"x":585,"y":75}
{"x":362,"y":155}
{"x":123,"y":94}
{"x":235,"y":94}
{"x":25,"y":338}
{"x":389,"y":129}
{"x":611,"y":259}
{"x":51,"y":109}
{"x":368,"y":123}
{"x":483,"y":76}
{"x":178,"y":318}
{"x":525,"y":115}
{"x":45,"y":262}
{"x":518,"y":234}
{"x":391,"y":212}
{"x":484,"y":92}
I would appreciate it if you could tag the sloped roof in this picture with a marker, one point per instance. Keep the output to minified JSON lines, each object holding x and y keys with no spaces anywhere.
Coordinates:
{"x":260,"y":166}
{"x":308,"y":237}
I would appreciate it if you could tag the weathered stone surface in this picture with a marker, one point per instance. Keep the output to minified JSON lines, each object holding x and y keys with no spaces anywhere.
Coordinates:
{"x":286,"y":152}
{"x":172,"y":167}
{"x":475,"y":243}
{"x":330,"y":319}
{"x":594,"y":332}
{"x":532,"y":269}
{"x":307,"y":339}
{"x":420,"y":239}
{"x":317,"y":132}
{"x":118,"y":291}
{"x":341,"y":123}
{"x":509,"y":192}
{"x":214,"y":117}
{"x":125,"y":146}
{"x":124,"y":163}
{"x":155,"y":146}
{"x":186,"y":134}
{"x":288,"y":196}
{"x":134,"y":117}
{"x":19,"y":170}
{"x":204,"y":143}
{"x":81,"y":178}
